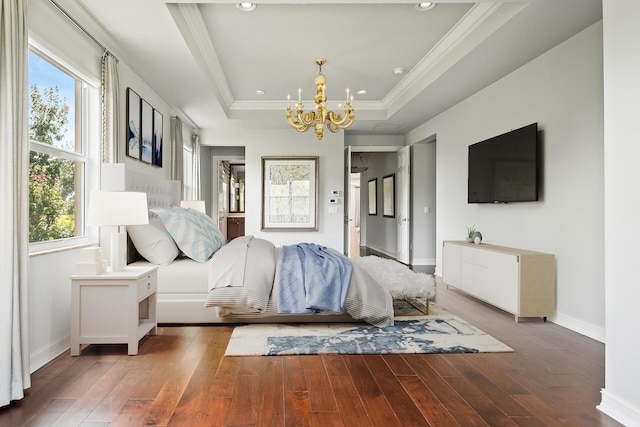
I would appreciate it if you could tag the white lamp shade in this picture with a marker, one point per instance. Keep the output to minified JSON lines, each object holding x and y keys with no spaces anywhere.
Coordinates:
{"x":117,"y":208}
{"x":197,"y":205}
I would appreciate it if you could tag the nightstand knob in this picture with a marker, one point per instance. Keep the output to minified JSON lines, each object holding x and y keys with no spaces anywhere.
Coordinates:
{"x":148,"y":285}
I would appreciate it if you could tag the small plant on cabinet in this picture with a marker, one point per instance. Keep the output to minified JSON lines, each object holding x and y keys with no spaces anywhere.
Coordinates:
{"x":470,"y":231}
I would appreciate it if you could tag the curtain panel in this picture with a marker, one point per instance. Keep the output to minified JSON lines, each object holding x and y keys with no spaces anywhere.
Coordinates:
{"x":14,"y":199}
{"x":176,"y":149}
{"x":196,"y":167}
{"x":112,"y":151}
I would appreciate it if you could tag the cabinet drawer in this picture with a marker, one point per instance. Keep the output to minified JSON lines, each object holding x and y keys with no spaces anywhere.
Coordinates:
{"x":147,"y":285}
{"x":491,"y":276}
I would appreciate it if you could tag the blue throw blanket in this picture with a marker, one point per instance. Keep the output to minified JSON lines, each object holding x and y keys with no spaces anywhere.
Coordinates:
{"x":312,"y":279}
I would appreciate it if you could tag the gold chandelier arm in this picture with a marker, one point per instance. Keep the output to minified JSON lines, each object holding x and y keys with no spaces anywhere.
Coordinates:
{"x":342,"y":122}
{"x":297,"y":124}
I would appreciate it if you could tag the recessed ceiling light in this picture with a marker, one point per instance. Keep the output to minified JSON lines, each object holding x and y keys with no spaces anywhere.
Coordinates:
{"x":425,"y":5}
{"x":361,"y":92}
{"x":260,"y":92}
{"x":398,"y":70}
{"x":246,"y":7}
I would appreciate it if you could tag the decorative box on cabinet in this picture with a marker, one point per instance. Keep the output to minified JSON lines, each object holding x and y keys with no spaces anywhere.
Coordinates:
{"x":519,"y":281}
{"x":113,"y":308}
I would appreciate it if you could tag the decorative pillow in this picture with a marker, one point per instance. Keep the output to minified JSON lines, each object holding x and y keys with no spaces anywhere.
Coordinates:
{"x":194,"y":232}
{"x":153,"y":242}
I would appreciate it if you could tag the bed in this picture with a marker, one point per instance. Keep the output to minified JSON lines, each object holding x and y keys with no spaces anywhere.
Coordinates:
{"x":216,"y":289}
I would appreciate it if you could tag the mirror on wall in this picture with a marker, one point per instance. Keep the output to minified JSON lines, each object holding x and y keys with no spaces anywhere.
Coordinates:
{"x":236,"y":187}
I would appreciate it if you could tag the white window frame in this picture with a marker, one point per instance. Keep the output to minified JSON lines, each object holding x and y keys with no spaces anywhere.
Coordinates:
{"x":82,"y":125}
{"x":187,"y":172}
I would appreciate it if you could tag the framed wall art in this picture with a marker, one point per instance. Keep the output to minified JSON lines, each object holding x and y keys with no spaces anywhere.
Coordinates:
{"x":373,"y":198}
{"x":146,"y":132}
{"x":157,"y":137}
{"x":290,"y":193}
{"x":133,"y":124}
{"x":389,"y":196}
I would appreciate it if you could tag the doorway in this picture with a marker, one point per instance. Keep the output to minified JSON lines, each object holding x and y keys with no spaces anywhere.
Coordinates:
{"x":422,"y":202}
{"x":227,"y":184}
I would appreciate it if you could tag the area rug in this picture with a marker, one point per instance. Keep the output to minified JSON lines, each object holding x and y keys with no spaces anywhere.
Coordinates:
{"x":439,"y":332}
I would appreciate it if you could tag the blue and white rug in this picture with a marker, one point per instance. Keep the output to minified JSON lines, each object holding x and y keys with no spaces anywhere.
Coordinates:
{"x":439,"y":332}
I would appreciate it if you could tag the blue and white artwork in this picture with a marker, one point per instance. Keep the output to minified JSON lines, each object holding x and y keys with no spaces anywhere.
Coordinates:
{"x":133,"y":124}
{"x":157,"y":137}
{"x":147,"y":132}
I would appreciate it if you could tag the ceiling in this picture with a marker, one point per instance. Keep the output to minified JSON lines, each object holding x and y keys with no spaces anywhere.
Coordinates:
{"x":209,"y":58}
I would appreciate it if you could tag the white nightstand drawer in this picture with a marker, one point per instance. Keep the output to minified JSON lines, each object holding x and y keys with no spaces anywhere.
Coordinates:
{"x":147,"y":285}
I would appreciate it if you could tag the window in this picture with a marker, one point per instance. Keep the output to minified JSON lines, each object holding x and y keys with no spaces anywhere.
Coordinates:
{"x":57,"y":157}
{"x":187,"y":171}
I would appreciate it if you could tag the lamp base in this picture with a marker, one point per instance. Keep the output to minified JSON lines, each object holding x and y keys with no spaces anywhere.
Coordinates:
{"x":118,"y":250}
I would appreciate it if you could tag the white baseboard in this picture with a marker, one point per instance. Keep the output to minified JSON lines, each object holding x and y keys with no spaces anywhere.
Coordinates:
{"x":423,"y":261}
{"x":45,"y":355}
{"x":592,"y":331}
{"x":619,"y":409}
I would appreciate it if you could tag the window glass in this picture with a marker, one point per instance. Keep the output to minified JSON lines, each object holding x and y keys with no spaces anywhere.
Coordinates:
{"x":56,"y":159}
{"x":187,"y":170}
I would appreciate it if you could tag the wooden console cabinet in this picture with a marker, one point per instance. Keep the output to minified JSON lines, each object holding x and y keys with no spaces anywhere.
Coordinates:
{"x":235,"y":227}
{"x":518,"y":281}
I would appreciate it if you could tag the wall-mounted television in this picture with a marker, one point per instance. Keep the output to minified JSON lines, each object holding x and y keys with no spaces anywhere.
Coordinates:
{"x":505,"y":168}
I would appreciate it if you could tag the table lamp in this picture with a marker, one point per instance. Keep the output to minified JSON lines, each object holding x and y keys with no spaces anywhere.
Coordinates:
{"x":193,"y":204}
{"x":118,"y":208}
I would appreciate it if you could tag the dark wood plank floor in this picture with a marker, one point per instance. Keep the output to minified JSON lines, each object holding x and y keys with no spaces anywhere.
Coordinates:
{"x":180,"y":377}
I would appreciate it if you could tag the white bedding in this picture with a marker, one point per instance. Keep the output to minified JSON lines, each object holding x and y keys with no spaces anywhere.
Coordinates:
{"x":244,"y":280}
{"x":183,"y":293}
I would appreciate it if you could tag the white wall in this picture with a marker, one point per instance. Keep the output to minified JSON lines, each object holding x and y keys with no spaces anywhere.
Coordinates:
{"x":562,"y":91}
{"x":49,"y":283}
{"x":288,"y":142}
{"x":621,"y":34}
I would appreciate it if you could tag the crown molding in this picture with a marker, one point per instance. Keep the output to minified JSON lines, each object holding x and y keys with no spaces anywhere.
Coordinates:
{"x":482,"y":20}
{"x":194,"y":30}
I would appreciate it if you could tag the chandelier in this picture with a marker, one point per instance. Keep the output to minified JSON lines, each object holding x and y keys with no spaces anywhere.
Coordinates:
{"x":319,"y":118}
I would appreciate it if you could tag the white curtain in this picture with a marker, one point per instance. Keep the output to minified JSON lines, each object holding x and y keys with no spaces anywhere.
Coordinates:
{"x":14,"y":199}
{"x":176,"y":149}
{"x":112,"y":151}
{"x":195,"y":139}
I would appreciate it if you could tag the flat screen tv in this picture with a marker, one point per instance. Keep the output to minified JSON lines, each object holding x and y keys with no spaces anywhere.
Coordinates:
{"x":505,"y":168}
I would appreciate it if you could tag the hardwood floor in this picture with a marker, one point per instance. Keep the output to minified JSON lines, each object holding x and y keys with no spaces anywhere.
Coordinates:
{"x":180,"y":377}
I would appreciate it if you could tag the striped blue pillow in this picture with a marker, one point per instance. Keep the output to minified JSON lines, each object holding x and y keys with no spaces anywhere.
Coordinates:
{"x":194,"y":232}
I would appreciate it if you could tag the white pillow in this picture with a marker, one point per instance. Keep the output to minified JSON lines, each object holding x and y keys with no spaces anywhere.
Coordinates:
{"x":153,"y":242}
{"x":195,"y":233}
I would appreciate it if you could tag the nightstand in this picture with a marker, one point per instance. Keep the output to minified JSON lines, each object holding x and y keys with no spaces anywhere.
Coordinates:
{"x":113,"y":308}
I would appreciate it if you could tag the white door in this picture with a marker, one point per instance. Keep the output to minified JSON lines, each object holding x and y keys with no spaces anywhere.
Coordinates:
{"x":403,"y":200}
{"x":345,"y":202}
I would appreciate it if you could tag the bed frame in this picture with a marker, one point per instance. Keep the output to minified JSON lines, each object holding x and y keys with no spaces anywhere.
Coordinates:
{"x":173,"y":308}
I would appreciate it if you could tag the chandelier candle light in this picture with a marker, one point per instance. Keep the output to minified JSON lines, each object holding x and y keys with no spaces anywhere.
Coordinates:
{"x":321,"y":117}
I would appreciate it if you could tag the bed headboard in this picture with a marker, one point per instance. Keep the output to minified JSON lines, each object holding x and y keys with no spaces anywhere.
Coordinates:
{"x":161,"y":193}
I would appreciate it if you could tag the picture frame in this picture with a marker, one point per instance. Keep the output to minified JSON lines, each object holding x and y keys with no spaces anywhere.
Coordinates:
{"x":389,"y":196}
{"x":146,"y":132}
{"x":372,"y":187}
{"x":133,"y":124}
{"x":158,"y":122}
{"x":290,"y":193}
